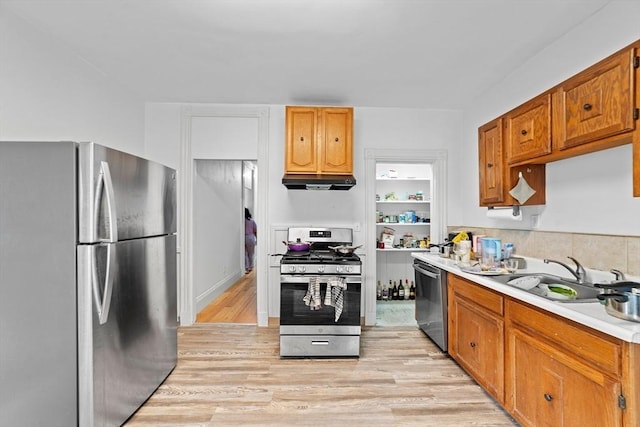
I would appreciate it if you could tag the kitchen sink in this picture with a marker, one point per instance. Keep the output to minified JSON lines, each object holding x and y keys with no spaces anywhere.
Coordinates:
{"x":566,"y":291}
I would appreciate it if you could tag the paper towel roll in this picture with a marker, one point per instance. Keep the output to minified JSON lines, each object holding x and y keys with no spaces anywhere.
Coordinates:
{"x":504,"y":213}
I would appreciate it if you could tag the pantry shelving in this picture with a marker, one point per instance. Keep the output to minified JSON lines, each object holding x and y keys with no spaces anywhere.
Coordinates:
{"x":403,"y":217}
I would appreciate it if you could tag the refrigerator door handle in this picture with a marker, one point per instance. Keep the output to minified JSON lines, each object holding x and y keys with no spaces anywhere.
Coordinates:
{"x":103,"y":302}
{"x":105,"y":183}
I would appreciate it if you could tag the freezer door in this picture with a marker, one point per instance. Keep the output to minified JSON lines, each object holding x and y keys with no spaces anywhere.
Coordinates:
{"x":127,"y":325}
{"x":122,"y":196}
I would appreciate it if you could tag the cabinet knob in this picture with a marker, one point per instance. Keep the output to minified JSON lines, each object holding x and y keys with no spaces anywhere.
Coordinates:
{"x":489,"y":165}
{"x":548,"y":397}
{"x":302,"y":138}
{"x":472,"y":344}
{"x":337,"y":139}
{"x":523,"y":131}
{"x":587,"y":107}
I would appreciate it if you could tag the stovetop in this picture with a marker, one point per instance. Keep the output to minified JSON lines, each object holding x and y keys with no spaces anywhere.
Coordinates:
{"x":319,"y":257}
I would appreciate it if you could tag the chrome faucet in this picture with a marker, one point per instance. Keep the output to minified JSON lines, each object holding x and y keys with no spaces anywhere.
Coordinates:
{"x":579,"y":273}
{"x":619,"y":274}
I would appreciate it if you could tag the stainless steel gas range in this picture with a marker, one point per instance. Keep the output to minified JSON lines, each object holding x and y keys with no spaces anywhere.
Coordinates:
{"x":320,"y":294}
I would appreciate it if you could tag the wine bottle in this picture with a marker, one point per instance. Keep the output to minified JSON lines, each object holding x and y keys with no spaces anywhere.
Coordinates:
{"x":407,"y":289}
{"x":379,"y":291}
{"x":385,"y":294}
{"x":412,"y":291}
{"x":394,"y":291}
{"x":400,"y":291}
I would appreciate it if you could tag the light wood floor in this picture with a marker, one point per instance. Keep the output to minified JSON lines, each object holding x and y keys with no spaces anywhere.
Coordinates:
{"x":229,"y":373}
{"x":236,"y":305}
{"x":232,"y":375}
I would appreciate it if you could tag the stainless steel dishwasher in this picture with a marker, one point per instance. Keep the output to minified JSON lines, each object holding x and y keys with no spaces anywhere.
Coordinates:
{"x":431,"y":302}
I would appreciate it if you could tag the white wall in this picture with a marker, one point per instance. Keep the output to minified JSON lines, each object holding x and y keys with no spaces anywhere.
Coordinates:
{"x":218,"y":228}
{"x":384,"y":128}
{"x":48,"y":93}
{"x":586,"y":194}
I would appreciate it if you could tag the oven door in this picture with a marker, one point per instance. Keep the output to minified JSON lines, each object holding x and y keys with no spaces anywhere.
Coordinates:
{"x":297,"y":317}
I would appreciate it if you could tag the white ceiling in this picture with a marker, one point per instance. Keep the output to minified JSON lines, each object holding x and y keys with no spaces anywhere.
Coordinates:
{"x":376,"y":53}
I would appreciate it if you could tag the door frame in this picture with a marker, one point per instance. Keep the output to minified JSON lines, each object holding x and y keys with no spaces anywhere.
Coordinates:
{"x":186,"y":298}
{"x":438,"y":161}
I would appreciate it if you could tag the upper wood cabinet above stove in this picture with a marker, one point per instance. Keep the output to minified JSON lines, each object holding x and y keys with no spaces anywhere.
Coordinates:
{"x":319,"y":140}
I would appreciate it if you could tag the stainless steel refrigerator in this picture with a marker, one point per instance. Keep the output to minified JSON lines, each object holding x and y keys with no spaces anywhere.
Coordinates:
{"x":88,"y":311}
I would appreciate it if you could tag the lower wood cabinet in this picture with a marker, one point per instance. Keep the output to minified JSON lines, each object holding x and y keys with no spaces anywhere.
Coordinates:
{"x":476,"y":333}
{"x":544,"y":369}
{"x":550,"y":388}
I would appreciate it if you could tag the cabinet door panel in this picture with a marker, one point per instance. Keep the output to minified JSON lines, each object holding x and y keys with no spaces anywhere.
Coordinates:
{"x":550,"y":389}
{"x":491,"y":163}
{"x":302,"y":126}
{"x":336,"y":141}
{"x":598,"y":103}
{"x":478,"y":346}
{"x":529,"y":130}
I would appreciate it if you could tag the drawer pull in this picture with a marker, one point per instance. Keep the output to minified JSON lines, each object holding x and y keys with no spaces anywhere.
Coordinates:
{"x":489,"y":165}
{"x":302,"y":138}
{"x":587,"y":107}
{"x":523,"y":131}
{"x":319,"y":342}
{"x":472,"y":344}
{"x":548,"y":397}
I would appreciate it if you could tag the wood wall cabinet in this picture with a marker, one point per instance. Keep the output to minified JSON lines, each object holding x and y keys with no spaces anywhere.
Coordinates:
{"x":598,"y":102}
{"x":476,"y":333}
{"x":496,"y":176}
{"x":491,"y":163}
{"x":559,"y":373}
{"x":594,"y":110}
{"x":528,"y":130}
{"x":319,"y":140}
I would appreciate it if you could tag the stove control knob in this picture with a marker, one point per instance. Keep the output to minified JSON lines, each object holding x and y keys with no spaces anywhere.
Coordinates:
{"x":348,"y":269}
{"x":292,"y":268}
{"x":339,"y":269}
{"x":321,"y":269}
{"x":302,"y":269}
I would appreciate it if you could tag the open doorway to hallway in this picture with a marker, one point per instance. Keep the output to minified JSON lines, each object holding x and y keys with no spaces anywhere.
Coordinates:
{"x":222,"y":191}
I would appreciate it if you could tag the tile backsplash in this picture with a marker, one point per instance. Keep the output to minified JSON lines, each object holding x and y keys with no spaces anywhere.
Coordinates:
{"x":595,"y":251}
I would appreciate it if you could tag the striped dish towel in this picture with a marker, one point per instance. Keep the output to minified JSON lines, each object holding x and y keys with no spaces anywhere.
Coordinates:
{"x":312,"y":297}
{"x":335,"y":294}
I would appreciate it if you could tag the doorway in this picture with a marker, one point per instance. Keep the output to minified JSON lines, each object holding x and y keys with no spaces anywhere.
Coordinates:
{"x":382,"y":167}
{"x":222,"y":191}
{"x":403,"y":224}
{"x":219,"y":132}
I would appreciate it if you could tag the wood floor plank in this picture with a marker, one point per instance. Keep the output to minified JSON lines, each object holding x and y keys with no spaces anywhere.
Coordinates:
{"x":238,"y":304}
{"x":232,"y":375}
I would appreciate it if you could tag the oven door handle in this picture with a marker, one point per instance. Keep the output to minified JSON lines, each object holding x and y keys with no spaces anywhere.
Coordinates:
{"x":323,"y":279}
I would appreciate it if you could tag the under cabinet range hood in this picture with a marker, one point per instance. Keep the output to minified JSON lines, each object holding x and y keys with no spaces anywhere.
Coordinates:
{"x":318,"y":182}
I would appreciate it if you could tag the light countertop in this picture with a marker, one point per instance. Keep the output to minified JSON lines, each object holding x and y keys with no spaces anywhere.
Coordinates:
{"x":591,"y":314}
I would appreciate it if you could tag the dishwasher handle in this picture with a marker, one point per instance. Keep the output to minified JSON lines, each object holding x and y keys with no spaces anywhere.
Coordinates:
{"x":433,"y":274}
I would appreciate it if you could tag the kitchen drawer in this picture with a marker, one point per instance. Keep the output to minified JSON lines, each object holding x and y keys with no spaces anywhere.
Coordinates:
{"x":594,"y":347}
{"x":477,"y":294}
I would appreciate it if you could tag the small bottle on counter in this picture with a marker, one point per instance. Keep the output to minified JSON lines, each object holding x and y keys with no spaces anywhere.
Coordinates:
{"x":379,"y":291}
{"x":394,"y":291}
{"x":412,"y":291}
{"x":407,"y":289}
{"x":401,"y":291}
